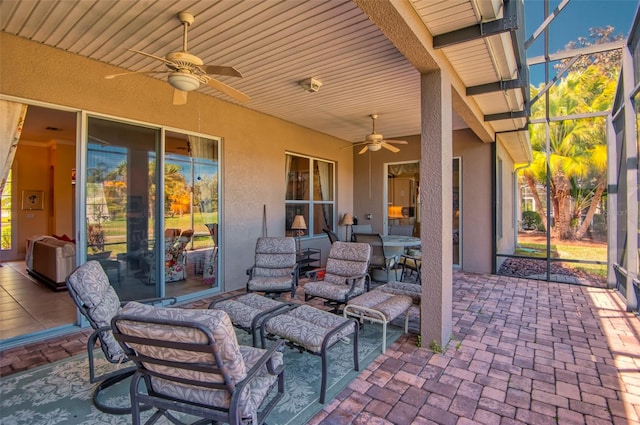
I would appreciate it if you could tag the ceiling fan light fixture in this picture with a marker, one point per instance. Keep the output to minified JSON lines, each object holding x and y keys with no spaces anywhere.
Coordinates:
{"x":374,"y":147}
{"x":183,"y":81}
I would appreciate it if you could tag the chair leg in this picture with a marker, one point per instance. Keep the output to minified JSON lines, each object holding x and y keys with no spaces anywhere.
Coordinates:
{"x":323,"y":385}
{"x":106,"y":384}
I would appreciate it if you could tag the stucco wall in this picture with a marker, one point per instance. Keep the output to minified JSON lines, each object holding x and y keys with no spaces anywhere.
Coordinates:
{"x":47,"y":168}
{"x":476,"y":201}
{"x":31,"y":172}
{"x":506,"y":241}
{"x":254,"y":144}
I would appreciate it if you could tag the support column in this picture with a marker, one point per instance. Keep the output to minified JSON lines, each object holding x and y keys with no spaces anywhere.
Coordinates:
{"x":436,"y":208}
{"x":612,"y":202}
{"x":631,"y":148}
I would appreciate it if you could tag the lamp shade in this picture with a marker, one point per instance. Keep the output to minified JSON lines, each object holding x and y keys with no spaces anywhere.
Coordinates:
{"x":299,"y":223}
{"x":395,"y":211}
{"x":347,"y":219}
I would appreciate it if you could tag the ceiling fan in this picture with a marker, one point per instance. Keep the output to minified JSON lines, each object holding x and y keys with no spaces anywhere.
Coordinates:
{"x":187,"y":71}
{"x":375,"y":141}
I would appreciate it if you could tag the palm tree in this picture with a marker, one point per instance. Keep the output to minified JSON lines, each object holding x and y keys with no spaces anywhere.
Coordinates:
{"x":577,"y":148}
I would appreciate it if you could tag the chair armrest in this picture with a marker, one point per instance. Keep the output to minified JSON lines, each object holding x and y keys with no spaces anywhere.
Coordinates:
{"x":91,"y":344}
{"x":295,"y":275}
{"x":250,"y":272}
{"x":354,"y":279}
{"x":267,"y":358}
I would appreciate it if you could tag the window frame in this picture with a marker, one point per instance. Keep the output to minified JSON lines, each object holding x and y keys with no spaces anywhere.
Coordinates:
{"x":310,"y":204}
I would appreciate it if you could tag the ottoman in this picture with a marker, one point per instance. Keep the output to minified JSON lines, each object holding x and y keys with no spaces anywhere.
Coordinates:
{"x":248,"y":311}
{"x":379,"y":307}
{"x":313,"y":330}
{"x":412,"y":290}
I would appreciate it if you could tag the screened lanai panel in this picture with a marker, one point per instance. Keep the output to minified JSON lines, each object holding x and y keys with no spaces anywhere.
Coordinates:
{"x":621,"y":185}
{"x":637,"y":111}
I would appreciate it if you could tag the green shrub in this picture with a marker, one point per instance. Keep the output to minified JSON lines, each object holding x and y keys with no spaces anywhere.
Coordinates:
{"x":531,"y":221}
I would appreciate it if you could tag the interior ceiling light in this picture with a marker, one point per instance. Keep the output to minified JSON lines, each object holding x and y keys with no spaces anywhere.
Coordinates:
{"x":374,"y":147}
{"x":183,"y":81}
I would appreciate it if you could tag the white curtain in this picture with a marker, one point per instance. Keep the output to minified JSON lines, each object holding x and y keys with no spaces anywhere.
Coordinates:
{"x":287,"y":170}
{"x":323,"y":173}
{"x":400,"y":169}
{"x":201,"y":147}
{"x":11,"y":121}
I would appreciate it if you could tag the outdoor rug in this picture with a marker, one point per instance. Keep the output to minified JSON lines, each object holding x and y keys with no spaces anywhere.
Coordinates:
{"x":60,"y":392}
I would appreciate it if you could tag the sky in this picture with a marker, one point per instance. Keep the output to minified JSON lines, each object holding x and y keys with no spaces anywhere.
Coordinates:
{"x":574,"y":21}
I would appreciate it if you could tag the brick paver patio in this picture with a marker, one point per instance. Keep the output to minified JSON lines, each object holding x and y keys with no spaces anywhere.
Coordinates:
{"x":522,"y":352}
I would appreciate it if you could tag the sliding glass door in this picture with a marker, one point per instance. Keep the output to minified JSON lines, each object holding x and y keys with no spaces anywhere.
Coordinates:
{"x":152,"y":219}
{"x":121,"y":189}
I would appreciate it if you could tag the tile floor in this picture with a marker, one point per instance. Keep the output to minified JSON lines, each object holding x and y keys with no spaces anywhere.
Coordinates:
{"x":522,"y":352}
{"x":28,"y":305}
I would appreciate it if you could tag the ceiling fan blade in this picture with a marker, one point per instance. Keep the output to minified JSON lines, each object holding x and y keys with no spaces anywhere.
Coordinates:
{"x":222,"y":70}
{"x":390,"y":147}
{"x":112,"y":76}
{"x":354,"y":145}
{"x":228,"y":90}
{"x":152,"y":56}
{"x":179,"y":97}
{"x":363,"y":150}
{"x":397,"y":142}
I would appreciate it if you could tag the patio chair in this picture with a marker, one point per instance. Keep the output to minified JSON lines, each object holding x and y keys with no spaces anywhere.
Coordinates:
{"x":96,"y":299}
{"x":191,"y":362}
{"x":401,"y":229}
{"x":345,"y":274}
{"x":380,"y":258}
{"x":175,"y":258}
{"x":410,"y":265}
{"x":275,"y":269}
{"x":360,"y":228}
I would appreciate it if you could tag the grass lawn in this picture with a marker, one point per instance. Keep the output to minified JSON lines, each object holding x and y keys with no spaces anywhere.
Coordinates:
{"x":584,"y":250}
{"x":116,"y":233}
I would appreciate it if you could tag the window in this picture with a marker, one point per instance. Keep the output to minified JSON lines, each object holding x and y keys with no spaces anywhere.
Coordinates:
{"x":310,"y":193}
{"x":5,"y":213}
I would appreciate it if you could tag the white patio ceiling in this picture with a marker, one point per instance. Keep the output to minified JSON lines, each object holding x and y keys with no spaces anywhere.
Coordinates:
{"x":277,"y":44}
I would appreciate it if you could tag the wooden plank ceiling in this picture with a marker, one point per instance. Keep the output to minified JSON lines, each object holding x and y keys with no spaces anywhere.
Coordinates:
{"x":277,"y":44}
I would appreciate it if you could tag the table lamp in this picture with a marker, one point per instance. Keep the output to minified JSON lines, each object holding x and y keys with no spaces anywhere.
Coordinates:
{"x":347,"y":220}
{"x":299,"y":225}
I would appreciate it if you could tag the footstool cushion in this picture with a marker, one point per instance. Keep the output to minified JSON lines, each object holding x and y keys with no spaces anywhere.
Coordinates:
{"x":380,"y":307}
{"x":248,"y":311}
{"x":314,"y":330}
{"x":307,"y":326}
{"x":403,"y":288}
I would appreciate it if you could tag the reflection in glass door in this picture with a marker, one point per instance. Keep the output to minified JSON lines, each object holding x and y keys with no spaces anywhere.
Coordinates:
{"x":155,"y":234}
{"x":120,"y":192}
{"x":403,"y":198}
{"x":191,"y":171}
